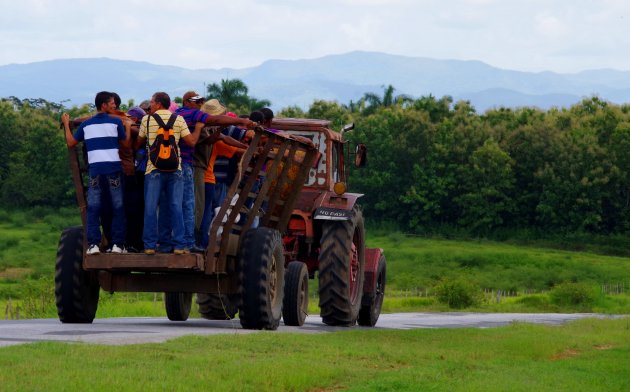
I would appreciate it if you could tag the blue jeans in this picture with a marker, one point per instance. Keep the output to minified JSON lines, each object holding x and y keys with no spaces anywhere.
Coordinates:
{"x":188,"y":205}
{"x":171,"y":184}
{"x":188,"y":211}
{"x":101,"y":185}
{"x":215,"y":193}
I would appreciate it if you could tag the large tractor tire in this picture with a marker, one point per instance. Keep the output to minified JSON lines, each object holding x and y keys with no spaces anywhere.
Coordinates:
{"x":76,"y":290}
{"x":217,"y":306}
{"x":341,"y":269}
{"x":177,"y":305}
{"x":295,"y":305}
{"x":372,"y":302}
{"x":262,"y":279}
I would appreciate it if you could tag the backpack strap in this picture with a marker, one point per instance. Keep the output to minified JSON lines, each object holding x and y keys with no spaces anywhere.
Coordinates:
{"x":159,"y":120}
{"x":168,"y":125}
{"x":171,"y":121}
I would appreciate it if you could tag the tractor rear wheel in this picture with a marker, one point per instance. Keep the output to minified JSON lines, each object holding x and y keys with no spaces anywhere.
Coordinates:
{"x":76,"y":290}
{"x":177,"y":305}
{"x":341,"y":270}
{"x":372,"y":302}
{"x":295,"y":305}
{"x":217,"y":306}
{"x":262,"y":279}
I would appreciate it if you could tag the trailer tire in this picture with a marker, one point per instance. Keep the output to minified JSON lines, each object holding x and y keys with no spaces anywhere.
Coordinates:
{"x":262,"y":279}
{"x":177,"y":305}
{"x":341,"y":270}
{"x":76,"y":290}
{"x":295,"y":305}
{"x":372,"y":302}
{"x":217,"y":306}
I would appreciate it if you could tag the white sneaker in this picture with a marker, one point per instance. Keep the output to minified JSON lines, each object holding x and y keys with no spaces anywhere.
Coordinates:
{"x":117,"y":249}
{"x":93,"y":250}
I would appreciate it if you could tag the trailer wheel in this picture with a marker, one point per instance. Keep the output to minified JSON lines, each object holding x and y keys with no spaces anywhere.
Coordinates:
{"x":217,"y":306}
{"x":177,"y":305}
{"x":341,"y":269}
{"x":372,"y":302}
{"x":76,"y":290}
{"x":262,"y":279}
{"x":295,"y":305}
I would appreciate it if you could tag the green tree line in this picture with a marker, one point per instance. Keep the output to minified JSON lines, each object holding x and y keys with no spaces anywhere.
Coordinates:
{"x":431,"y":162}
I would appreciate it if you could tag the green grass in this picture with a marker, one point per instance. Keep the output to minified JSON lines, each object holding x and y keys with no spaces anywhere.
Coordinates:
{"x":586,"y":355}
{"x":28,"y":243}
{"x":419,"y":263}
{"x":29,"y":239}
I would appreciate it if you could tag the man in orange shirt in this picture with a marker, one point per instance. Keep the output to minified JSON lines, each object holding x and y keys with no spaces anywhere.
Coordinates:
{"x":213,"y":199}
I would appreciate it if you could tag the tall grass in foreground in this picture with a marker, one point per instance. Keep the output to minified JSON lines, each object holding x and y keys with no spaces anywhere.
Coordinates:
{"x":585,"y":355}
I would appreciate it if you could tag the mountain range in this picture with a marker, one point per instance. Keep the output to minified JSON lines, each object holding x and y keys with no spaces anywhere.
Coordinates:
{"x":342,"y":77}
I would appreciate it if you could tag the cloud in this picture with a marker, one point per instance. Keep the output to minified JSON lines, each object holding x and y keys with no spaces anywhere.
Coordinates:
{"x":528,"y":35}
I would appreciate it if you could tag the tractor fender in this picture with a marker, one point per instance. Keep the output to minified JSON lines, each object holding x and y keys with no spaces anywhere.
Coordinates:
{"x":336,"y":207}
{"x":372,"y":257}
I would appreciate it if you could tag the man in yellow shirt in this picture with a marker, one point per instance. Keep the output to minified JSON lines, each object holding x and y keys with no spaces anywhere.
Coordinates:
{"x":157,"y":182}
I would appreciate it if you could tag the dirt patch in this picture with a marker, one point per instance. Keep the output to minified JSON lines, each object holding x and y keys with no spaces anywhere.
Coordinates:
{"x":14,"y":273}
{"x":566,"y":354}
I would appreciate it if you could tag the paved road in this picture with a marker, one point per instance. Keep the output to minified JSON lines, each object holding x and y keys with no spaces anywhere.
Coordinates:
{"x":131,"y":330}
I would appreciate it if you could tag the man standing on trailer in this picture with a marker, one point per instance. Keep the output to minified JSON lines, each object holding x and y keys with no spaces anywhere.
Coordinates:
{"x":102,"y":135}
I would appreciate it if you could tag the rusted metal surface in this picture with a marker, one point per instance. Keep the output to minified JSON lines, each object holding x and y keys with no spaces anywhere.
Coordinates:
{"x":168,"y":282}
{"x":271,"y":175}
{"x":142,"y":262}
{"x":372,"y":256}
{"x":324,"y":174}
{"x":79,"y":186}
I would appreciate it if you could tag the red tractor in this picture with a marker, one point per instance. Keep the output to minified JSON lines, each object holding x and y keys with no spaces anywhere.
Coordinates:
{"x":326,"y":234}
{"x":300,"y":218}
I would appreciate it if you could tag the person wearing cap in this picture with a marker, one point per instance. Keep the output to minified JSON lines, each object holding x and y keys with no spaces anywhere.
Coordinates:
{"x":191,"y":112}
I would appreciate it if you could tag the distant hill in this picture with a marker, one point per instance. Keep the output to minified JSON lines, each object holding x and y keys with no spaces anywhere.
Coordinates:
{"x":341,"y":77}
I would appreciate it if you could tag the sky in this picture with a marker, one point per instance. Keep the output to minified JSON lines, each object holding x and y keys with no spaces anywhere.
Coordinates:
{"x":564,"y":36}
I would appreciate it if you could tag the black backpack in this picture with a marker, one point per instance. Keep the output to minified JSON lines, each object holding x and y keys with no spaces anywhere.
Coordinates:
{"x":163,"y":152}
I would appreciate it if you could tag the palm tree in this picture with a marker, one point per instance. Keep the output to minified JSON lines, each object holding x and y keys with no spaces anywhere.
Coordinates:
{"x":372,"y":101}
{"x":233,"y":94}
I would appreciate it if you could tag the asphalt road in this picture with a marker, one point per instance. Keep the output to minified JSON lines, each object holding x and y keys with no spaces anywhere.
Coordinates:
{"x":133,"y":330}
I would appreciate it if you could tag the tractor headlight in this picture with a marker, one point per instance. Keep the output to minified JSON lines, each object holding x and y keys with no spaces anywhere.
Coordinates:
{"x":339,"y":188}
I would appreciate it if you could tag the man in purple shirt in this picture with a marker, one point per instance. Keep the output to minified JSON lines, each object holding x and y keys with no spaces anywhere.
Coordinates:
{"x":191,"y":112}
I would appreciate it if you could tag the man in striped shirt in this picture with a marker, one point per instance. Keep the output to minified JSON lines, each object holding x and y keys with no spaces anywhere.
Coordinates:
{"x":191,"y":112}
{"x":101,"y":135}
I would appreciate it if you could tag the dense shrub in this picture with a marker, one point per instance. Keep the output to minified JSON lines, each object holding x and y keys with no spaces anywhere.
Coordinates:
{"x":458,"y":293}
{"x":573,"y":294}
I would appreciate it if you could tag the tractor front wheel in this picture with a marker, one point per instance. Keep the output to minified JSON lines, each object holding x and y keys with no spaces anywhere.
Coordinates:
{"x":341,"y":270}
{"x":295,"y":305}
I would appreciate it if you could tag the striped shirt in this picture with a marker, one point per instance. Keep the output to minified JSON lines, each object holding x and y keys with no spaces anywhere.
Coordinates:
{"x":192,"y":117}
{"x":180,"y":129}
{"x":101,"y":135}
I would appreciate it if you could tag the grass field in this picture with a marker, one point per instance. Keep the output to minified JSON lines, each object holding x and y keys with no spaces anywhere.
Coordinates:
{"x":502,"y":277}
{"x":586,"y":355}
{"x":512,"y":278}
